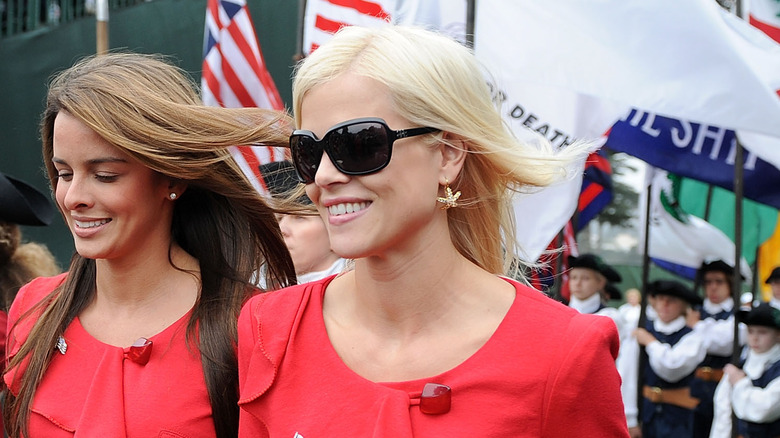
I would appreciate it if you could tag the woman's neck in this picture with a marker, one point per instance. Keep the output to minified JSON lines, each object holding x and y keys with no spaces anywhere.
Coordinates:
{"x":414,"y":319}
{"x":139,"y":280}
{"x":407,"y":293}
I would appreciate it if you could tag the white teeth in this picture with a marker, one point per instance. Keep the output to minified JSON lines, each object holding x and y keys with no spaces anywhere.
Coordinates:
{"x":350,"y":207}
{"x":91,"y":224}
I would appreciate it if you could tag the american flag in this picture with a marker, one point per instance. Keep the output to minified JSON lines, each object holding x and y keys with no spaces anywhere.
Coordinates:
{"x":323,"y":18}
{"x":765,"y":15}
{"x":234,"y":76}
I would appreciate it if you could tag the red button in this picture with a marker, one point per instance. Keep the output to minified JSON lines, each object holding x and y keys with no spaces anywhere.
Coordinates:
{"x":140,"y":351}
{"x":436,"y":399}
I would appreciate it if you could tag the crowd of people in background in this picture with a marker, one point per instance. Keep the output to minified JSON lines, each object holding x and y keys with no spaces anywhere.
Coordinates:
{"x":673,"y":364}
{"x":373,"y":292}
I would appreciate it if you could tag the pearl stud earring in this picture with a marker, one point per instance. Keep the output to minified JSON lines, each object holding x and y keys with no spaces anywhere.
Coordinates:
{"x":172,"y":196}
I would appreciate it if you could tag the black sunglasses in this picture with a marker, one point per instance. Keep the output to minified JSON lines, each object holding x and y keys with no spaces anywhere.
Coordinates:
{"x":355,"y":147}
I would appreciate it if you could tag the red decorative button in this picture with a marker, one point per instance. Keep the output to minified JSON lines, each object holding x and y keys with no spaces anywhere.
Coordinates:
{"x":140,"y":351}
{"x":436,"y":399}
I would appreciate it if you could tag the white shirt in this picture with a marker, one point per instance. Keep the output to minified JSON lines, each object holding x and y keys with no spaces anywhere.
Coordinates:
{"x":718,"y":335}
{"x":757,"y":405}
{"x":588,"y":305}
{"x":630,"y":314}
{"x":591,"y":305}
{"x":671,"y":363}
{"x":336,"y":268}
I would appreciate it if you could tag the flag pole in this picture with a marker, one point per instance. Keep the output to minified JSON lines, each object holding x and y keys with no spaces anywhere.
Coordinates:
{"x":471,"y":6}
{"x":738,"y":188}
{"x":739,"y":171}
{"x":101,"y":29}
{"x":643,"y":300}
{"x":301,"y":17}
{"x":737,"y":279}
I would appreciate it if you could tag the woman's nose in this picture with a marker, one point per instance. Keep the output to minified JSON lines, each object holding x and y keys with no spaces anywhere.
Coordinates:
{"x":327,"y":172}
{"x":75,"y":193}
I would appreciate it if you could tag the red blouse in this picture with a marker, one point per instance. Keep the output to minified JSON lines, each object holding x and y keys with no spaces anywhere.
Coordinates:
{"x":98,"y":390}
{"x":547,"y":371}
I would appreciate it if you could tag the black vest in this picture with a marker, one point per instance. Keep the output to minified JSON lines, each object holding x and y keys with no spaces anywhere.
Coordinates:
{"x":762,"y":430}
{"x":711,"y":360}
{"x":651,"y":378}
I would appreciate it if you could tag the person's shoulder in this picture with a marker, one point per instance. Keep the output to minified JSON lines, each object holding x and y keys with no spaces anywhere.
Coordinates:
{"x":528,"y":296}
{"x":285,"y":298}
{"x":569,"y":325}
{"x":36,"y":290}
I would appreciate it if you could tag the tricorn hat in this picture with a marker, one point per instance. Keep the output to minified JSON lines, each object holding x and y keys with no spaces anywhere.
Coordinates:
{"x":763,"y":314}
{"x":775,"y":275}
{"x":281,"y":180}
{"x":716,"y":266}
{"x":22,"y":204}
{"x":675,"y":289}
{"x":594,"y":262}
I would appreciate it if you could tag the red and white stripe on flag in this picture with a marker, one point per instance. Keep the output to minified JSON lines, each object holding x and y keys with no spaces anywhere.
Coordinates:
{"x":235,"y":76}
{"x":323,"y":18}
{"x":765,"y":15}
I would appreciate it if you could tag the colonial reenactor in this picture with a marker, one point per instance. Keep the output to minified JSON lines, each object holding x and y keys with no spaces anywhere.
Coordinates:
{"x":752,"y":391}
{"x":673,"y":352}
{"x":716,"y":327}
{"x":591,"y":284}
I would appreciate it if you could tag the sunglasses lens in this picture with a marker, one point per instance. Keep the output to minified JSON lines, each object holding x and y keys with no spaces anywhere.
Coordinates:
{"x":360,"y":148}
{"x":306,"y":156}
{"x":355,"y":149}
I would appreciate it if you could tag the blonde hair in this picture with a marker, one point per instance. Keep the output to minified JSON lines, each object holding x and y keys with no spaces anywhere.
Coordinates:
{"x":435,"y":81}
{"x":150,"y":109}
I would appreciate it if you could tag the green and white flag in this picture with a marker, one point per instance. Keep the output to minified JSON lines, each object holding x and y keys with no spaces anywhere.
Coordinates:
{"x":680,"y":242}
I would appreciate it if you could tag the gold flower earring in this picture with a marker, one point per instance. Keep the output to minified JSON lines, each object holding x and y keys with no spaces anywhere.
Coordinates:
{"x":450,"y":199}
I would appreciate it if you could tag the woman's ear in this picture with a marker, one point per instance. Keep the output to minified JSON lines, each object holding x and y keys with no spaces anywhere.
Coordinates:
{"x":453,"y":155}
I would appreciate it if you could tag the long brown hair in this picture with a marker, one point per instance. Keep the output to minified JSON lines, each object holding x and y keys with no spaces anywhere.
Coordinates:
{"x":149,"y":108}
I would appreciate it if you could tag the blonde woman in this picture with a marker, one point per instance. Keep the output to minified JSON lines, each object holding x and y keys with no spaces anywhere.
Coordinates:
{"x":412,"y":170}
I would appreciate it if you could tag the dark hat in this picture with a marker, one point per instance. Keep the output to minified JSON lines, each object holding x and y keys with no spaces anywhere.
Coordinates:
{"x":594,"y":262}
{"x":675,"y":289}
{"x":775,"y":275}
{"x":281,"y":180}
{"x":613,"y":292}
{"x":764,"y":315}
{"x":22,"y":204}
{"x":716,"y":266}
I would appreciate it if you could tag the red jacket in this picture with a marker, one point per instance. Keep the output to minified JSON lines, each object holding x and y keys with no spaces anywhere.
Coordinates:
{"x":547,"y":371}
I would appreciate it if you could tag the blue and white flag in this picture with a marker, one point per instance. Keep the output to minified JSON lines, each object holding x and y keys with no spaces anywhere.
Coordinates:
{"x":694,"y":150}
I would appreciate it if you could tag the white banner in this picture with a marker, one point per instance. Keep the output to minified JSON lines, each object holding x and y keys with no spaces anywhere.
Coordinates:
{"x":685,"y":59}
